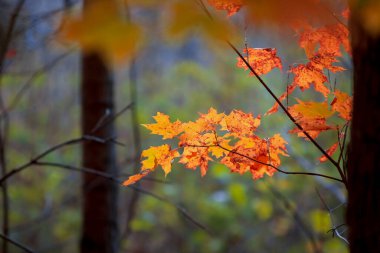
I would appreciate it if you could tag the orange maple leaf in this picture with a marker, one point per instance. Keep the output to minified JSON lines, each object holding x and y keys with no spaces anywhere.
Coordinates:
{"x":231,"y":6}
{"x":193,"y":157}
{"x":262,"y":60}
{"x":329,"y":38}
{"x":311,"y":116}
{"x":135,"y":178}
{"x":330,"y":152}
{"x":321,"y":61}
{"x":342,"y":104}
{"x":307,"y":74}
{"x":164,"y":127}
{"x":161,"y":155}
{"x":240,"y":123}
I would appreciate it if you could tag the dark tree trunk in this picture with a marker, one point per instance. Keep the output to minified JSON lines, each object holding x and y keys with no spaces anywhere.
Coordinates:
{"x":363,"y":211}
{"x":99,"y":228}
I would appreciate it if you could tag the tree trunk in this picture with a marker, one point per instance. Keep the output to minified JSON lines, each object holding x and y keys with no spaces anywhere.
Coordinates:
{"x":99,"y":227}
{"x":363,"y":211}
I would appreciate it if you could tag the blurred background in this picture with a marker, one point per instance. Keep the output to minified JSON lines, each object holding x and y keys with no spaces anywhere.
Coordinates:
{"x":40,"y":82}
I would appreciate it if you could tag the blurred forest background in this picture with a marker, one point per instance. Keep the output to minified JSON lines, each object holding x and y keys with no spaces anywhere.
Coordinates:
{"x":40,"y":83}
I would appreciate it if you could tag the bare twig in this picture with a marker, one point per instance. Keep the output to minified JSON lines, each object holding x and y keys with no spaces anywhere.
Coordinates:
{"x":335,"y":229}
{"x":134,"y":198}
{"x":119,"y":181}
{"x":4,"y":121}
{"x":47,"y":152}
{"x":297,"y":218}
{"x":29,"y":82}
{"x":17,"y":244}
{"x":106,"y":119}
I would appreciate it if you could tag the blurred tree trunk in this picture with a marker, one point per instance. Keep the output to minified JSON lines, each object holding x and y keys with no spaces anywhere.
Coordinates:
{"x":363,"y":211}
{"x":99,"y":227}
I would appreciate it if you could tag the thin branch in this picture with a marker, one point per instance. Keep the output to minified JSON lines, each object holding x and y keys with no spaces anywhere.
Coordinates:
{"x":342,"y":147}
{"x":335,"y":229}
{"x":267,"y":164}
{"x":118,"y":181}
{"x":279,"y":170}
{"x":9,"y":33}
{"x":106,"y":120}
{"x":47,"y":152}
{"x":297,"y":218}
{"x":134,"y":198}
{"x":4,"y":121}
{"x":17,"y":244}
{"x":29,"y":82}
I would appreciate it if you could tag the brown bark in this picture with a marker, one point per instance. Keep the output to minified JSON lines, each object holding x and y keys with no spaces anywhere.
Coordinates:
{"x":363,"y":211}
{"x":99,"y":227}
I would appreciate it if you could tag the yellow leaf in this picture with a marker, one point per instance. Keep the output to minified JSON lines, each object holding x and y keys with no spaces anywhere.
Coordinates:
{"x":186,"y":17}
{"x":161,"y":155}
{"x":164,"y":127}
{"x":102,"y":29}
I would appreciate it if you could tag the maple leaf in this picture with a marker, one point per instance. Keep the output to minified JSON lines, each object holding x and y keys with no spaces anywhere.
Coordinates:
{"x":102,"y":29}
{"x":240,"y":123}
{"x":249,"y":154}
{"x":321,"y":61}
{"x":164,"y":127}
{"x":231,"y":6}
{"x":330,"y":38}
{"x":211,"y":119}
{"x":286,"y":13}
{"x":194,"y":157}
{"x":222,"y":147}
{"x":307,"y":74}
{"x":330,"y":152}
{"x":262,"y":60}
{"x":186,"y":17}
{"x":342,"y":104}
{"x":135,"y":178}
{"x":160,"y":155}
{"x":311,"y":116}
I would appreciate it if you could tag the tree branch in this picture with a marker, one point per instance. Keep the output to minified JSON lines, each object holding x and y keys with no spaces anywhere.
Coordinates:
{"x":17,"y":244}
{"x":135,"y":188}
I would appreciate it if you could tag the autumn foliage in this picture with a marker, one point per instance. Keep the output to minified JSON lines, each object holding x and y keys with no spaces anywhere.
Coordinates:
{"x":230,"y":138}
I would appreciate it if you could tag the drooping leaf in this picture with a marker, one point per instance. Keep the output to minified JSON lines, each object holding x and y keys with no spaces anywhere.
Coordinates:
{"x":161,"y":155}
{"x":307,"y":74}
{"x":286,"y":13}
{"x":186,"y":17}
{"x":102,"y":29}
{"x":342,"y":104}
{"x":312,"y":117}
{"x":262,"y":60}
{"x":330,"y":152}
{"x":135,"y":178}
{"x":325,"y":40}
